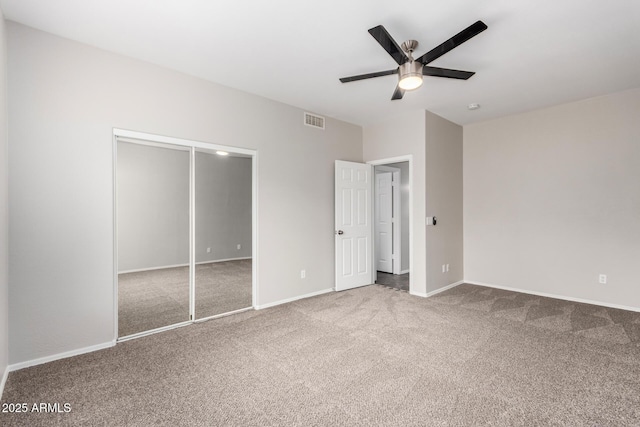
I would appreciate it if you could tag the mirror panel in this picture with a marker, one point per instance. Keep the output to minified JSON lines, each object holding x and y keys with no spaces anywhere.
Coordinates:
{"x":223,"y":233}
{"x":153,"y":236}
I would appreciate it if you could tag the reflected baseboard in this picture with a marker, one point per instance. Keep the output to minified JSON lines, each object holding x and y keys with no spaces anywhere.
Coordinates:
{"x":140,"y":270}
{"x":222,"y":260}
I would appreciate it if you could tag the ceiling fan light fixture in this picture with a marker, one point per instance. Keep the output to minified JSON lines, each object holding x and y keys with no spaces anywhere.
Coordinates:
{"x":410,"y":71}
{"x":410,"y":75}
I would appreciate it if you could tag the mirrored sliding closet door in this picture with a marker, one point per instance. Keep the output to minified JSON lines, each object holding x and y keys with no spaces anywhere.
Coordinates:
{"x":223,"y":224}
{"x":185,"y":232}
{"x":153,"y":189}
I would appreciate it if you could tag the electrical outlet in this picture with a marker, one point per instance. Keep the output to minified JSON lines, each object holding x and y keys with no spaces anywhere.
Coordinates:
{"x":239,"y":246}
{"x":602,"y":279}
{"x":208,"y":250}
{"x":303,"y":274}
{"x":447,"y":267}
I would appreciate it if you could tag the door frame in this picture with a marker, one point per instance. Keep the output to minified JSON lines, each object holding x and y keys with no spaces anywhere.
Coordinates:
{"x":397,"y":217}
{"x":383,"y":162}
{"x":144,"y":138}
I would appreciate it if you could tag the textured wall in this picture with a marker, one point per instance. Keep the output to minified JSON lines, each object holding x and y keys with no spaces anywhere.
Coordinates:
{"x":436,"y":147}
{"x":4,"y":207}
{"x":399,"y":136}
{"x":66,"y":98}
{"x":444,"y":201}
{"x":552,"y":200}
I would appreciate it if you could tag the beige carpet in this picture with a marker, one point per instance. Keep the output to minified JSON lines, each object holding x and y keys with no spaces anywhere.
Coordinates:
{"x":157,"y":298}
{"x":372,"y":356}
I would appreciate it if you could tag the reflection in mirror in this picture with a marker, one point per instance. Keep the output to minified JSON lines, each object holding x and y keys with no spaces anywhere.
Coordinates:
{"x":153,"y":237}
{"x":222,"y":233}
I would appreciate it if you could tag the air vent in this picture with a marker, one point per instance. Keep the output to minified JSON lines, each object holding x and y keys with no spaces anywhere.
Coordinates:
{"x":314,"y":121}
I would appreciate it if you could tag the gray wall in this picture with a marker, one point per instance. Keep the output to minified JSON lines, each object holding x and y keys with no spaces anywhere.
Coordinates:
{"x":153,"y":207}
{"x":65,"y":100}
{"x":552,"y":200}
{"x":223,"y":207}
{"x":398,"y":136}
{"x":4,"y":210}
{"x":436,"y":147}
{"x":444,"y":201}
{"x":404,"y":214}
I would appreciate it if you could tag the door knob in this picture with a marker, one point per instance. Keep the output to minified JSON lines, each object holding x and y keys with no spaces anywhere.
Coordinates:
{"x":340,"y":232}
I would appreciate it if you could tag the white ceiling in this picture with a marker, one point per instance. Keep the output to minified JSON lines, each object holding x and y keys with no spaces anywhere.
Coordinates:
{"x":534,"y":54}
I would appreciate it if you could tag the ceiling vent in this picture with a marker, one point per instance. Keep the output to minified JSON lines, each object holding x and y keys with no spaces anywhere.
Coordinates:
{"x":314,"y":121}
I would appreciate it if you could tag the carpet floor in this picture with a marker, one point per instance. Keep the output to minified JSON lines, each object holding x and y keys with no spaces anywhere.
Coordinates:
{"x":371,"y":356}
{"x":157,"y":298}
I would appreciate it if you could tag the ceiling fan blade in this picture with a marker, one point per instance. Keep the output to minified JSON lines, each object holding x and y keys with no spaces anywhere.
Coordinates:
{"x":445,"y":72}
{"x":397,"y":94}
{"x":368,"y":76}
{"x":389,"y":44}
{"x":455,"y":41}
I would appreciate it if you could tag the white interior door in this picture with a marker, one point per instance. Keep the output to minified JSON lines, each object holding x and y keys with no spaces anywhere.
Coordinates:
{"x":384,"y":222}
{"x":353,"y":223}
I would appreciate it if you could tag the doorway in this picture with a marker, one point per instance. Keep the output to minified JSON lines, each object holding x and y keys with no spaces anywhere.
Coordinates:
{"x":355,"y":246}
{"x":185,"y":232}
{"x":392,"y":224}
{"x":387,"y":219}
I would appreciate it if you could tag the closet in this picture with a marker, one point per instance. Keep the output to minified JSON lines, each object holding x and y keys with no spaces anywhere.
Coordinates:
{"x":184,"y":246}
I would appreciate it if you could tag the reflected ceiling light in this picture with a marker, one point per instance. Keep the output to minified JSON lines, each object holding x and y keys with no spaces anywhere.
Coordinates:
{"x":222,"y":153}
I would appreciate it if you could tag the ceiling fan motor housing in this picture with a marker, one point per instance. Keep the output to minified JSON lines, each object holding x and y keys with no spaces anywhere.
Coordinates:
{"x":409,"y":46}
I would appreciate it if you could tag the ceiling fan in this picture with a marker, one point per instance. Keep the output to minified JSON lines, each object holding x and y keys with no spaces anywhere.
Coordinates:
{"x":410,"y":71}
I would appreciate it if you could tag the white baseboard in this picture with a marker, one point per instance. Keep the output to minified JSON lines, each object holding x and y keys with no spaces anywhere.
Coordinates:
{"x":437,"y":291}
{"x":404,"y":271}
{"x":284,"y":301}
{"x":418,"y":294}
{"x":40,"y":361}
{"x":548,"y":295}
{"x":139,"y":270}
{"x":3,"y":381}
